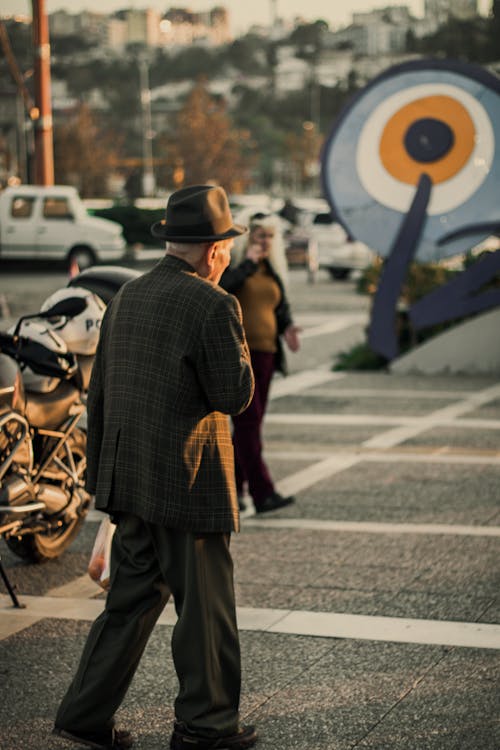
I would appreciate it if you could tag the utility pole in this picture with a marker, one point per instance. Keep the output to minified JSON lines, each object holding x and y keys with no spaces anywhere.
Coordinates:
{"x":148,"y":176}
{"x":274,"y":13}
{"x":44,"y":154}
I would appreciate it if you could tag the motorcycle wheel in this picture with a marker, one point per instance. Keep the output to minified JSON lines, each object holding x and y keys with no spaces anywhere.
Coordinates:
{"x":47,"y":545}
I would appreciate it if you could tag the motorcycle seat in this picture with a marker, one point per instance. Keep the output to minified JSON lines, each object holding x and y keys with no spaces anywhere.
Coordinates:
{"x":50,"y":410}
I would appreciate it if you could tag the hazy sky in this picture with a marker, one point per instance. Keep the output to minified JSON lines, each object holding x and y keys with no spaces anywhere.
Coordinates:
{"x":243,"y":12}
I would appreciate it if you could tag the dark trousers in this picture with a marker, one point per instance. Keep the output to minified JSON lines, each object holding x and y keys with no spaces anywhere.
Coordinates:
{"x":148,"y":562}
{"x":247,"y":433}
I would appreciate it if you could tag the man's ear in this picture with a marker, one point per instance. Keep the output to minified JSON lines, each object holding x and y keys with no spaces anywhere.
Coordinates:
{"x":210,"y":252}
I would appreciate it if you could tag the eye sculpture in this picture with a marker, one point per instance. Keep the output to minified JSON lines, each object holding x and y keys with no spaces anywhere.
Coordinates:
{"x":412,"y":168}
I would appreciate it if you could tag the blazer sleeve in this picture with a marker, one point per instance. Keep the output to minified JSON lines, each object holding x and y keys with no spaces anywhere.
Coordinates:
{"x":223,"y":363}
{"x":233,"y":278}
{"x":282,"y":312}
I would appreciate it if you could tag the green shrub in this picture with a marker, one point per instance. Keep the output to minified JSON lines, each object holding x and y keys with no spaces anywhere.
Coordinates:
{"x":360,"y":357}
{"x":422,"y":278}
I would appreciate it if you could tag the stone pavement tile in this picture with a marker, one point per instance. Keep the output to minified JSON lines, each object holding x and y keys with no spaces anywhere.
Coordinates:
{"x":455,"y":437}
{"x":268,"y":571}
{"x":491,"y":410}
{"x":310,"y":598}
{"x":287,"y":545}
{"x":335,"y":702}
{"x":403,"y":492}
{"x":451,"y":606}
{"x":472,"y":383}
{"x":48,"y":652}
{"x":455,"y":707}
{"x":492,"y":614}
{"x":307,"y":403}
{"x":323,"y":438}
{"x":35,"y":579}
{"x":411,"y":551}
{"x":375,"y":578}
{"x":316,"y":566}
{"x":469,"y":565}
{"x":303,"y":693}
{"x":282,"y":468}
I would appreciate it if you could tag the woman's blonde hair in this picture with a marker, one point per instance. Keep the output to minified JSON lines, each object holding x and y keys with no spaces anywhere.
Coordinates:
{"x":253,"y":219}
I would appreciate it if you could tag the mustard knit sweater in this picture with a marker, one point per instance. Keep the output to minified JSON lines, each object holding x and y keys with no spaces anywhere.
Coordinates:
{"x":259,"y":296}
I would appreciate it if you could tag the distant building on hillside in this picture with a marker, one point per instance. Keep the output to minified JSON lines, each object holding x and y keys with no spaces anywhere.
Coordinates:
{"x":440,"y":11}
{"x":88,"y":24}
{"x":181,"y":26}
{"x":377,"y":32}
{"x":143,"y":27}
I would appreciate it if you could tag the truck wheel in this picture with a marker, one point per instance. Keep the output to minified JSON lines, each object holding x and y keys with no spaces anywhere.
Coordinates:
{"x":82,"y":256}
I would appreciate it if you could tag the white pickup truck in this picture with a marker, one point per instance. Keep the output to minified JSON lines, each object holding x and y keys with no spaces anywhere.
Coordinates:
{"x":51,"y":223}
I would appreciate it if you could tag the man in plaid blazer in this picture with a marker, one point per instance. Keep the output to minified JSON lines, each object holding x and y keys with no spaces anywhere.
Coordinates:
{"x":172,"y":363}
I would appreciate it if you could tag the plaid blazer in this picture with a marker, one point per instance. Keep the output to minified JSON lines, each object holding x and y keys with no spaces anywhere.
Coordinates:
{"x":172,"y":362}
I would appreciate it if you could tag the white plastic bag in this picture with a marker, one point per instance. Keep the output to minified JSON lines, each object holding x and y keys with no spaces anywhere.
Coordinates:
{"x":99,"y":563}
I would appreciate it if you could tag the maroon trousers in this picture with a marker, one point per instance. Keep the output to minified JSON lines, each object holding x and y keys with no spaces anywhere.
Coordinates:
{"x":247,"y":434}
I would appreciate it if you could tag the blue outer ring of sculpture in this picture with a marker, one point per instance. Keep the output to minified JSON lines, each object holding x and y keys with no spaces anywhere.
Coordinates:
{"x":375,"y":224}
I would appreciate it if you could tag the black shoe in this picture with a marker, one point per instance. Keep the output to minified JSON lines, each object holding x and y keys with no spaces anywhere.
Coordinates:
{"x":241,"y":504}
{"x":116,"y":739}
{"x":273,"y":502}
{"x":187,"y":739}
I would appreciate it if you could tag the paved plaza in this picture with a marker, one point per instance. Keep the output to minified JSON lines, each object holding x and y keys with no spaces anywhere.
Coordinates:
{"x":369,"y":611}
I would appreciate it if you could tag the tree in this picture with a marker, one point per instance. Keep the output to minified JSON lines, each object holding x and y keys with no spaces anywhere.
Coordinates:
{"x":462,"y":40}
{"x":84,"y":154}
{"x":205,"y":147}
{"x":308,"y":40}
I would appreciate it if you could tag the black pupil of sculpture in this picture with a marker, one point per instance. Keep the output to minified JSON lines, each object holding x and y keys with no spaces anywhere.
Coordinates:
{"x":428,"y":139}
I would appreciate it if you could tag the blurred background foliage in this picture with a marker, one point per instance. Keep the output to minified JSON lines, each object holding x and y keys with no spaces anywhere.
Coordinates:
{"x":258,"y":124}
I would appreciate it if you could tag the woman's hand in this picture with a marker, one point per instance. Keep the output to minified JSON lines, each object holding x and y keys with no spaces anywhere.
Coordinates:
{"x":255,"y":252}
{"x":291,"y":336}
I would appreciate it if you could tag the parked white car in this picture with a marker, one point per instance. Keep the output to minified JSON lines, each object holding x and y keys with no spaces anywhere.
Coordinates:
{"x":338,"y":254}
{"x":51,"y":223}
{"x":326,"y":240}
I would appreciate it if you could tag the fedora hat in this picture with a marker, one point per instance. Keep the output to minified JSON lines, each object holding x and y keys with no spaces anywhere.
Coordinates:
{"x":199,"y":213}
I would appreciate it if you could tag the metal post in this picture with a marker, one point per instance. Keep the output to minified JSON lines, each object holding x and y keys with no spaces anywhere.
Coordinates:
{"x":44,"y":156}
{"x":10,"y":588}
{"x":22,"y":153}
{"x":148,"y":177}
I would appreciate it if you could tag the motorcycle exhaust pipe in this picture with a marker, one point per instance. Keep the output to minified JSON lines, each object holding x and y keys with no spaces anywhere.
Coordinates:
{"x":28,"y":508}
{"x":50,"y":498}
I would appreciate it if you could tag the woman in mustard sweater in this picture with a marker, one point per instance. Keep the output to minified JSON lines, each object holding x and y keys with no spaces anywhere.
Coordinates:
{"x":256,"y":278}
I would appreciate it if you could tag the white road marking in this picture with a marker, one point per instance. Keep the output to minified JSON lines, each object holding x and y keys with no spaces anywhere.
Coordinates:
{"x":407,"y":424}
{"x":437,"y":456}
{"x":393,"y":629}
{"x":302,"y":380}
{"x":315,"y":473}
{"x":334,"y":325}
{"x":372,"y":527}
{"x":446,"y":415}
{"x":318,"y":624}
{"x":388,"y":395}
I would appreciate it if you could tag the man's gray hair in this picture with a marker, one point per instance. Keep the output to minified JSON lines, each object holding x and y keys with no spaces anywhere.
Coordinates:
{"x":185,"y":248}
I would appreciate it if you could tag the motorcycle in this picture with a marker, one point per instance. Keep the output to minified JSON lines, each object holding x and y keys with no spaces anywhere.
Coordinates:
{"x":42,"y":450}
{"x":45,"y":366}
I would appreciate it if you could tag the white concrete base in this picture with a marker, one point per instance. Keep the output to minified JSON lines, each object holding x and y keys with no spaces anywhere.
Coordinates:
{"x":473,"y":347}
